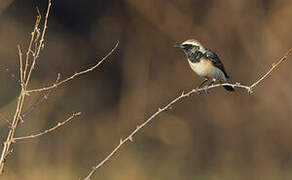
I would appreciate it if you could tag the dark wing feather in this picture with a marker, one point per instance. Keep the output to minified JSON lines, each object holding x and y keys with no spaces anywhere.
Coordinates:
{"x":216,"y":61}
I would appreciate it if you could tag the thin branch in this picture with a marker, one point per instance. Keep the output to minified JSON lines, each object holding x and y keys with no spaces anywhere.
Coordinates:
{"x":34,"y":48}
{"x":272,"y":68}
{"x":40,"y":101}
{"x":36,"y":55}
{"x":9,"y":139}
{"x":55,"y":85}
{"x":171,"y":103}
{"x":48,"y":130}
{"x":37,"y":22}
{"x":20,"y":65}
{"x":14,"y":124}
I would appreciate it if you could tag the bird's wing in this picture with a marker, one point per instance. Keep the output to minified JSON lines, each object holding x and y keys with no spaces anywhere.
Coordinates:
{"x":216,"y":61}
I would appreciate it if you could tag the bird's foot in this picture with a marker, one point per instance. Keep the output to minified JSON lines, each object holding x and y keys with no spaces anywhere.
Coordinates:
{"x":198,"y":90}
{"x":206,"y":89}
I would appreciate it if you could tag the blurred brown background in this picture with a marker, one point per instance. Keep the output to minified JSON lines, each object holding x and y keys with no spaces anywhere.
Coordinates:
{"x":221,"y":135}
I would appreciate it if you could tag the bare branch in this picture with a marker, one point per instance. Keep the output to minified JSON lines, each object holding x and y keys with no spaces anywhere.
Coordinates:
{"x":171,"y":103}
{"x":48,"y":130}
{"x":20,"y":65}
{"x":29,"y":51}
{"x":38,"y":102}
{"x":35,"y":46}
{"x":23,"y":94}
{"x":272,"y":68}
{"x":74,"y":75}
{"x":37,"y":52}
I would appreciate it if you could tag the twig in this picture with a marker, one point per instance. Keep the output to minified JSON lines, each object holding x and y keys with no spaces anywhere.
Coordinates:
{"x":170,"y":104}
{"x":40,"y":101}
{"x":23,"y":94}
{"x":55,"y":85}
{"x":34,"y":48}
{"x":38,"y":49}
{"x":35,"y":29}
{"x":48,"y":130}
{"x":20,"y":65}
{"x":272,"y":68}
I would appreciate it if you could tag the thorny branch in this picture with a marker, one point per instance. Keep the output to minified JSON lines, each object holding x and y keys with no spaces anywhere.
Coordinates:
{"x":26,"y":69}
{"x":59,"y":124}
{"x":25,"y":78}
{"x":55,"y":85}
{"x":40,"y":45}
{"x":20,"y":63}
{"x":29,"y":51}
{"x":171,"y":103}
{"x":38,"y":102}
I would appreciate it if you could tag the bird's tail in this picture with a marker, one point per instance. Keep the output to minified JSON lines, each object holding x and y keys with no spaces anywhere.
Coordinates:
{"x":228,"y":88}
{"x":224,"y":79}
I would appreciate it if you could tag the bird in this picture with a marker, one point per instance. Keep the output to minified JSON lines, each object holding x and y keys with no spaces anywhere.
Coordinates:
{"x":205,"y":63}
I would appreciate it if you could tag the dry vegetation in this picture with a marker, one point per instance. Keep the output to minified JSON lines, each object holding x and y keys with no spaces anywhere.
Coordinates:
{"x":220,"y":135}
{"x":184,"y":95}
{"x":26,"y":68}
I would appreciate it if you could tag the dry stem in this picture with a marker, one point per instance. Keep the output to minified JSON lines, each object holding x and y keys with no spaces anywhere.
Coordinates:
{"x":55,"y":85}
{"x":170,"y":104}
{"x":34,"y":48}
{"x":29,"y":51}
{"x":20,"y":64}
{"x":24,"y":83}
{"x":40,"y":45}
{"x":48,"y":130}
{"x":38,"y":102}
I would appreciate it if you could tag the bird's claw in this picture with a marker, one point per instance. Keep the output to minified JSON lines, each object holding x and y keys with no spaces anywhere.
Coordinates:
{"x":197,"y":90}
{"x":206,"y":90}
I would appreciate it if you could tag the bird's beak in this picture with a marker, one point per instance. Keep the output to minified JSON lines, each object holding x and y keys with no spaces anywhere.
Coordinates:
{"x":178,"y":46}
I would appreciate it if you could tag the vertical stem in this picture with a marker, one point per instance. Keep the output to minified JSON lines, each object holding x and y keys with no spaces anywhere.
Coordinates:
{"x":9,"y":139}
{"x":36,"y":55}
{"x":25,"y":78}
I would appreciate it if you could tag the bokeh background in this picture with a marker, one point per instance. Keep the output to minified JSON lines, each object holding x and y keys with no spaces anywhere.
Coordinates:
{"x":221,"y":135}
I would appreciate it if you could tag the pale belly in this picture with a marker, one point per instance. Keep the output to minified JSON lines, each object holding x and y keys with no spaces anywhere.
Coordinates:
{"x":205,"y":68}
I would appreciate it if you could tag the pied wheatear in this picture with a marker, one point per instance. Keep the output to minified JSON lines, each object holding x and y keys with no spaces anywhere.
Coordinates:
{"x":205,"y":63}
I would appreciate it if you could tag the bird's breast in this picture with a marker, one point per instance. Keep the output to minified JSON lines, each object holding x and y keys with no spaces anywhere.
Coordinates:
{"x":203,"y":67}
{"x":206,"y":68}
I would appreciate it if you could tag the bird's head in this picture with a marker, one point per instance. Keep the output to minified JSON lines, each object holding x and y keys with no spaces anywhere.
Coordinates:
{"x":191,"y":45}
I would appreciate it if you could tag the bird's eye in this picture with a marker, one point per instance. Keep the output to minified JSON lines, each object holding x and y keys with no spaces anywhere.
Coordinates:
{"x":187,"y":46}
